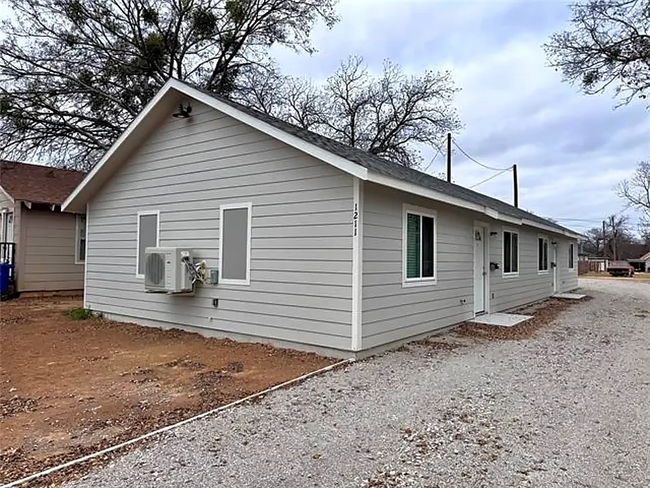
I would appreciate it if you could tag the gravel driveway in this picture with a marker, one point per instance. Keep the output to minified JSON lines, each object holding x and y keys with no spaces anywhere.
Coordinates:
{"x":570,"y":407}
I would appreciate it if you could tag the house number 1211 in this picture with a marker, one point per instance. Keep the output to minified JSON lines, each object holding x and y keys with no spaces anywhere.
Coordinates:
{"x":355,"y":220}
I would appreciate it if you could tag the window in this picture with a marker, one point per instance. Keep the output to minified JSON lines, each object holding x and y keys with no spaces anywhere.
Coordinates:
{"x":148,"y":236}
{"x":235,"y":243}
{"x":510,"y":253}
{"x":419,"y":249}
{"x":572,"y":251}
{"x":542,"y":254}
{"x":7,"y":227}
{"x":80,"y":240}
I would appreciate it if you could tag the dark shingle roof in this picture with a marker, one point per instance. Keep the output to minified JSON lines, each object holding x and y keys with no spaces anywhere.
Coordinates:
{"x":382,"y":166}
{"x":38,"y":184}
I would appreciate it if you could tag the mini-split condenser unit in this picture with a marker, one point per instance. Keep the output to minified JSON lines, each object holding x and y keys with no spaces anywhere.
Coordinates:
{"x":166,"y":270}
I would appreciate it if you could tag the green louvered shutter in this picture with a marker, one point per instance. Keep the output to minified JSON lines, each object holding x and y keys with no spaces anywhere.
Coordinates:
{"x":413,"y":246}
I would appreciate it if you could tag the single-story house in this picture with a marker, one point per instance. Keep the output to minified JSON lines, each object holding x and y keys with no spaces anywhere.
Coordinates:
{"x":642,"y":264}
{"x":46,"y":246}
{"x":317,"y":245}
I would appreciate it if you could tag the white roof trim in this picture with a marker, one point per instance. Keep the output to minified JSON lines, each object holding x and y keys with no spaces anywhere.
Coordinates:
{"x":289,"y":139}
{"x":293,"y":141}
{"x":304,"y":146}
{"x":125,"y":135}
{"x":7,"y":194}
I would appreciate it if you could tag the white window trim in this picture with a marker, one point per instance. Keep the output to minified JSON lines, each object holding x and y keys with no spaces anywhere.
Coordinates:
{"x":572,"y":250}
{"x":137,"y":240}
{"x":77,"y":239}
{"x":231,"y":206}
{"x":411,"y":282}
{"x":3,"y":217}
{"x":548,"y":257}
{"x":512,"y":274}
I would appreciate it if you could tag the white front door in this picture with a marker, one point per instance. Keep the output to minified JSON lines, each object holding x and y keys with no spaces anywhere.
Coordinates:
{"x":480,"y":272}
{"x":554,"y":267}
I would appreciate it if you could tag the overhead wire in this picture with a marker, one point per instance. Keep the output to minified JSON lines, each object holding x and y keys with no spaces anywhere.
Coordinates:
{"x":490,"y":178}
{"x":477,"y":162}
{"x":432,"y":160}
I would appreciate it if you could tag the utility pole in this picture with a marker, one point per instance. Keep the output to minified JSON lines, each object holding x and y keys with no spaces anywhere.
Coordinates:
{"x":604,"y":238}
{"x":516,"y":184}
{"x":449,"y":157}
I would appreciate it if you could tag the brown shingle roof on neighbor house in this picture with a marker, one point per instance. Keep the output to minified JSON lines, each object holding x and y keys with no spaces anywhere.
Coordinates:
{"x":38,"y":184}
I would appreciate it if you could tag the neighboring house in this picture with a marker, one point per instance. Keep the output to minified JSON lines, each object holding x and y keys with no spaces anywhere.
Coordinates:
{"x":642,"y":264}
{"x":319,"y":246}
{"x":48,"y":244}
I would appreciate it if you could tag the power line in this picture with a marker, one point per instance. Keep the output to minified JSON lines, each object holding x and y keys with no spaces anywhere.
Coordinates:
{"x":491,"y":177}
{"x":480,"y":164}
{"x":432,"y":161}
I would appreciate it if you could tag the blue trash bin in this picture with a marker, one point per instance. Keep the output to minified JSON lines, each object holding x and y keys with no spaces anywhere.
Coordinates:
{"x":5,"y":274}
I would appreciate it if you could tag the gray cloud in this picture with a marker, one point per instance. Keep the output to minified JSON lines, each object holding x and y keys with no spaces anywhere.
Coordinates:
{"x":571,"y":149}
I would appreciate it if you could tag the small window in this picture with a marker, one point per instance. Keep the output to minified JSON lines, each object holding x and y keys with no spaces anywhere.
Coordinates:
{"x":572,"y":251}
{"x":419,"y":256}
{"x":235,"y":243}
{"x":148,"y":236}
{"x":510,"y":253}
{"x":542,"y":254}
{"x":80,"y":241}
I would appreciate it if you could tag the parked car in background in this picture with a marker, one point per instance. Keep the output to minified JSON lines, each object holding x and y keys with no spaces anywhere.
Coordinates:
{"x":620,"y":268}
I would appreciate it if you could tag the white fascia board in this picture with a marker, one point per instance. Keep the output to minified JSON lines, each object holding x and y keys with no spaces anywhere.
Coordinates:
{"x":459,"y":202}
{"x":510,"y":220}
{"x":125,"y":135}
{"x":291,"y":140}
{"x":7,"y":195}
{"x":272,"y":131}
{"x":548,"y":228}
{"x":425,"y":192}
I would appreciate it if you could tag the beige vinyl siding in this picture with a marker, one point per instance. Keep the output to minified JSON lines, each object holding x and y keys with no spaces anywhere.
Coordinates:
{"x":48,"y":263}
{"x":301,"y":249}
{"x":529,"y":285}
{"x":392,"y":312}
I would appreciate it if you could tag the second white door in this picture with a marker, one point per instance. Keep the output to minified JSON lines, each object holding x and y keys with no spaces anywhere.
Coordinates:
{"x":480,"y":271}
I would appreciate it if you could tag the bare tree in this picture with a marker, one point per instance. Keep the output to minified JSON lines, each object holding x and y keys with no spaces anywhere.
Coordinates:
{"x":388,"y":115}
{"x":636,"y":192}
{"x":74,"y":73}
{"x":594,"y":241}
{"x":617,"y":232}
{"x":607,"y":46}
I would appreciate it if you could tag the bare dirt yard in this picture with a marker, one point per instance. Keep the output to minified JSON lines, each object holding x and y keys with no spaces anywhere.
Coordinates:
{"x":71,"y":387}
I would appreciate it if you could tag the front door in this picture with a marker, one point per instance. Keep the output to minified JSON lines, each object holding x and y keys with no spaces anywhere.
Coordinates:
{"x":554,"y":268}
{"x":480,"y":272}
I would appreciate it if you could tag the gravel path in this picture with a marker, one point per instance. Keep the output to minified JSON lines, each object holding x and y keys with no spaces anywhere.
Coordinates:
{"x":570,"y":407}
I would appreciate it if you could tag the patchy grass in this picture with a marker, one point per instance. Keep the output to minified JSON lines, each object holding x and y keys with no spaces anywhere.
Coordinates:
{"x":80,"y":314}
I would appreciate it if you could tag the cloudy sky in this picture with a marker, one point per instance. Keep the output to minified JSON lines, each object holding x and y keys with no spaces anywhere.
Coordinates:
{"x":570,"y":148}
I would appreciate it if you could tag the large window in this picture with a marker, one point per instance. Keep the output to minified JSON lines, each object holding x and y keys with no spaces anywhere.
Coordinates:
{"x":572,"y":250}
{"x":510,"y":252}
{"x":542,"y":254}
{"x":80,"y":240}
{"x":148,"y":236}
{"x":419,"y":246}
{"x":235,"y":243}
